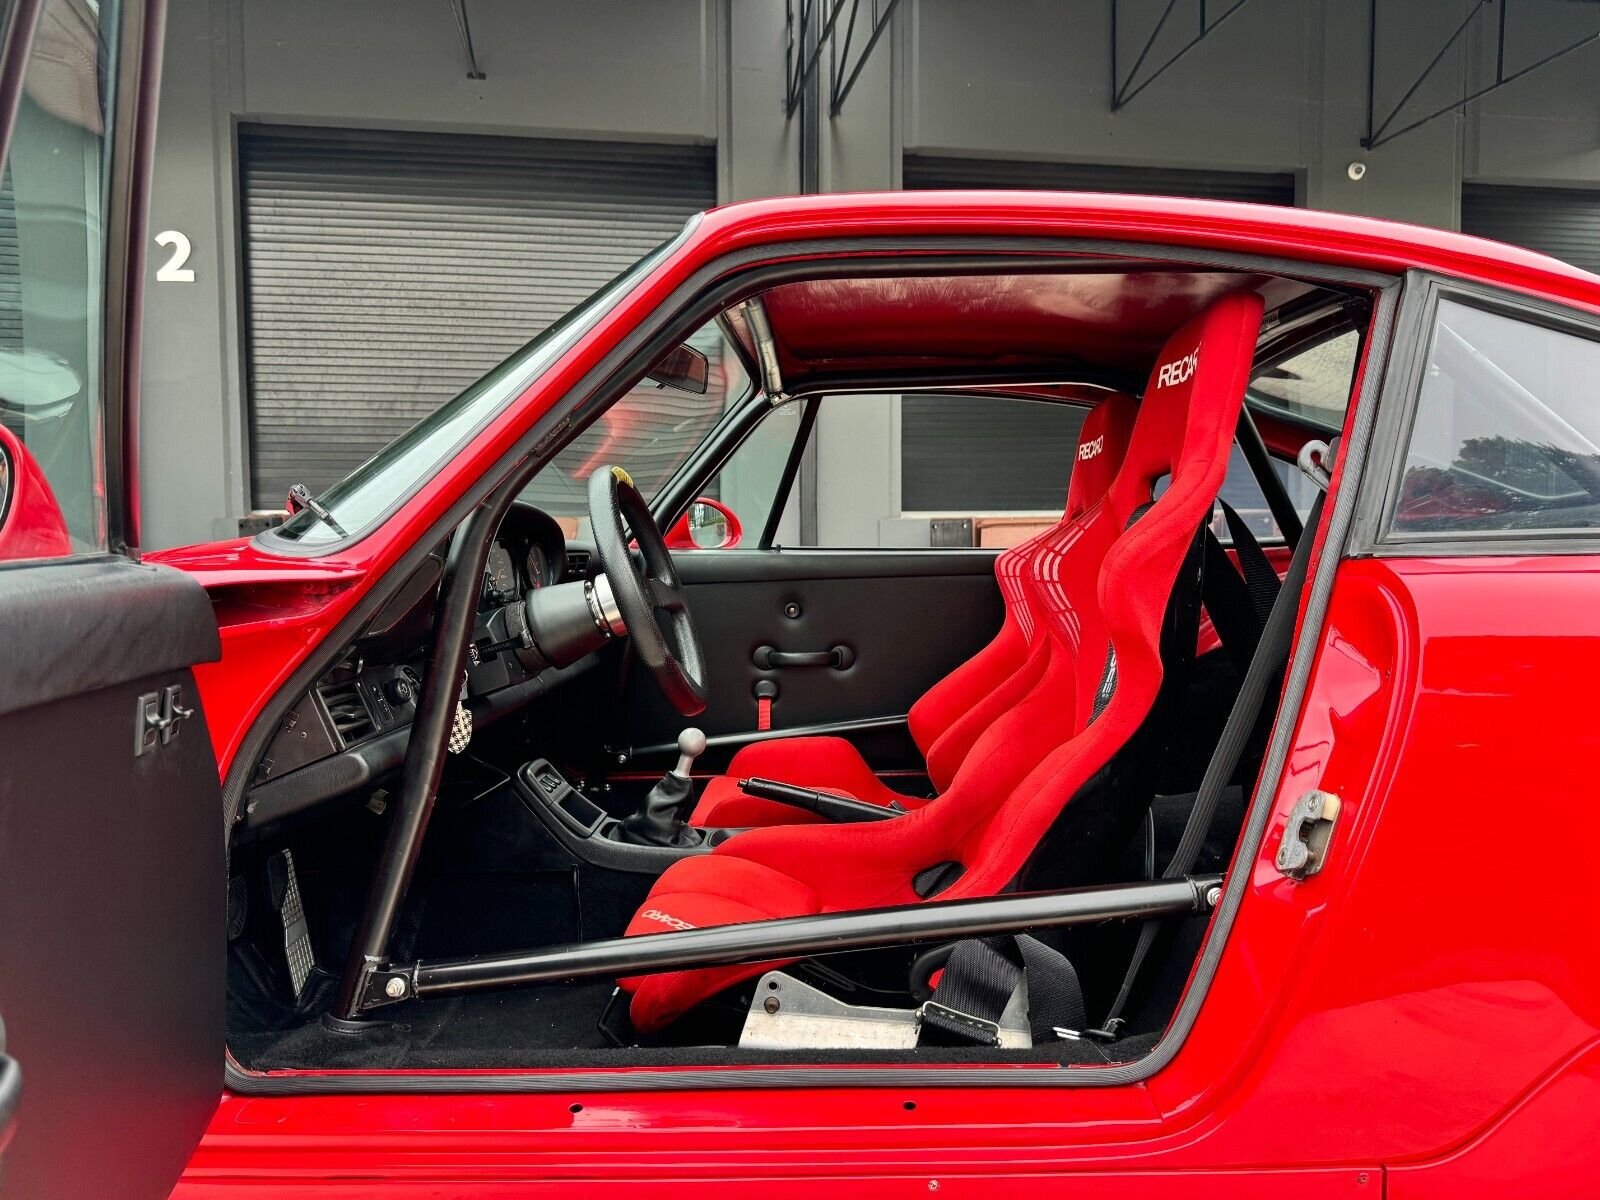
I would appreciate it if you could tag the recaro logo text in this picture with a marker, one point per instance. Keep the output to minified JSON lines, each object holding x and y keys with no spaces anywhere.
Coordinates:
{"x":1173,"y":373}
{"x":655,"y":914}
{"x":1090,"y":449}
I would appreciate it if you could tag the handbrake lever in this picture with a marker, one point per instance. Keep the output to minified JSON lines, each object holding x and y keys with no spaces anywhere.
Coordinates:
{"x":842,"y":809}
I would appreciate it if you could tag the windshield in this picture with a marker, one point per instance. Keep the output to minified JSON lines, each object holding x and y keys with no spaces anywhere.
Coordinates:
{"x":650,"y":433}
{"x":393,"y":475}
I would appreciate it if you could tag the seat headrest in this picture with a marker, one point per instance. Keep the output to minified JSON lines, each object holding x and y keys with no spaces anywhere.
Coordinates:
{"x":1189,"y":411}
{"x":1102,"y":442}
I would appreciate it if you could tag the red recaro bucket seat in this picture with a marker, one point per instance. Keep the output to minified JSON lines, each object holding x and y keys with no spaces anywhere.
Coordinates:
{"x":1118,"y":619}
{"x":950,"y":716}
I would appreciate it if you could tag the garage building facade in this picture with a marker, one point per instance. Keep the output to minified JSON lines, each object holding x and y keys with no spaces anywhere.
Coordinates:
{"x":370,"y":227}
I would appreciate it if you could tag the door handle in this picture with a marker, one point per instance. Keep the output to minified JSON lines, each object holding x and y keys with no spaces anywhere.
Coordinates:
{"x":768,"y":658}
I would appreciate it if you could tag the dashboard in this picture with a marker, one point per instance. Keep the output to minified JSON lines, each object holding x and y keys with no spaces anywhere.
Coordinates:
{"x":352,"y":726}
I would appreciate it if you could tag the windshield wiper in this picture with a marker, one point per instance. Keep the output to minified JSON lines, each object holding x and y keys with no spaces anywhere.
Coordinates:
{"x":300,"y":497}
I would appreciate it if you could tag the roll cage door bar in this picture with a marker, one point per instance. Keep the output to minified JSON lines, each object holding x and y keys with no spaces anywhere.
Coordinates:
{"x":824,"y":933}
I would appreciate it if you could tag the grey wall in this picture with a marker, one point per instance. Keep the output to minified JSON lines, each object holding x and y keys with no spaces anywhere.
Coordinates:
{"x":1280,"y":87}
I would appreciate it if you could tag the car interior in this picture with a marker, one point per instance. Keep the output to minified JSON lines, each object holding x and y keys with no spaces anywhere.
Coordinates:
{"x":685,"y":708}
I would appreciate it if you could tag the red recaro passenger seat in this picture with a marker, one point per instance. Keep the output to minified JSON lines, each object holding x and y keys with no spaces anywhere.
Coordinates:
{"x":950,"y":716}
{"x":973,"y":842}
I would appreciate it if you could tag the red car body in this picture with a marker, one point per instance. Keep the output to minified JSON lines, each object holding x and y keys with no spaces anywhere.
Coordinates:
{"x":1420,"y":1019}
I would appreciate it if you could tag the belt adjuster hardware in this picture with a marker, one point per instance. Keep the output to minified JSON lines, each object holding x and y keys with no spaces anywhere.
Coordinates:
{"x":989,"y":1031}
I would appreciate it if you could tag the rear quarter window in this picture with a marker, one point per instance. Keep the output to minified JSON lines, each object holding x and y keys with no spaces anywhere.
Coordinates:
{"x":1504,"y":438}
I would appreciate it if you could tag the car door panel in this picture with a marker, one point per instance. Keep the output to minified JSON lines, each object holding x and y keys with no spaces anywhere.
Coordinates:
{"x":112,"y":880}
{"x":900,"y":619}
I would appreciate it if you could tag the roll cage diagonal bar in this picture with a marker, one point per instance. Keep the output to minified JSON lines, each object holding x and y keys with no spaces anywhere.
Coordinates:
{"x":791,"y":937}
{"x":425,"y":751}
{"x":1272,"y":489}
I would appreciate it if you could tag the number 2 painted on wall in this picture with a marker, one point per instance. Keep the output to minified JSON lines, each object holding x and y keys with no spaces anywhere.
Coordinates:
{"x":173,"y":270}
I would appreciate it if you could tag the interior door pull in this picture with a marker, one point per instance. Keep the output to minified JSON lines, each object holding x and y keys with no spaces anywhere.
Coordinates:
{"x":767,"y":658}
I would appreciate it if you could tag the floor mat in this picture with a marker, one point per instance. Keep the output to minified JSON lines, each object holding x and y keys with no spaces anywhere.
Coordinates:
{"x":483,"y":1030}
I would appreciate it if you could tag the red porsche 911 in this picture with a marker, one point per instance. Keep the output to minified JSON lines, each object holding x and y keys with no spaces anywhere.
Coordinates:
{"x":538,"y":806}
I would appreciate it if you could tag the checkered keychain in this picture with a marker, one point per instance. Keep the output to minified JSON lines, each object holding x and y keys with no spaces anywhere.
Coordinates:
{"x":461,"y":727}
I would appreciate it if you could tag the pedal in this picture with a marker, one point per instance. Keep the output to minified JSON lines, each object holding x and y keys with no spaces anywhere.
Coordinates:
{"x":283,"y":889}
{"x":238,"y":906}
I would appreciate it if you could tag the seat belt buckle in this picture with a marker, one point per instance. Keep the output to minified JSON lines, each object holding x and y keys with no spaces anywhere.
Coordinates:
{"x":951,"y":1020}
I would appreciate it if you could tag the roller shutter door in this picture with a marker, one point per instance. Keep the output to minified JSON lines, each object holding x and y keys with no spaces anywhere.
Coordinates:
{"x":386,"y":271}
{"x":985,"y":454}
{"x":1561,"y":222}
{"x":923,"y":171}
{"x":10,"y":269}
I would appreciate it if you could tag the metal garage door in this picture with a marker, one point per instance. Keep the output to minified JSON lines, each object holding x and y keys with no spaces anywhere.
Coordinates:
{"x":985,"y":454}
{"x":386,"y":271}
{"x":923,"y":171}
{"x":1562,"y":222}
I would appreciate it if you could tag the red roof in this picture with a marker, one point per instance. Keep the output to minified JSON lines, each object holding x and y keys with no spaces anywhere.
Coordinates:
{"x":1292,"y":233}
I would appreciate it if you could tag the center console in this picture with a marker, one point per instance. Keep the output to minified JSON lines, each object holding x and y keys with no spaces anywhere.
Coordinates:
{"x":595,"y":836}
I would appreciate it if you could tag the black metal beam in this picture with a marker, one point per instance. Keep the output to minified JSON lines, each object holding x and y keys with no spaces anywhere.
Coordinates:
{"x":803,"y":46}
{"x":458,"y":9}
{"x":1379,"y":132}
{"x":1124,"y":89}
{"x":809,"y":28}
{"x":843,"y":76}
{"x":791,"y":937}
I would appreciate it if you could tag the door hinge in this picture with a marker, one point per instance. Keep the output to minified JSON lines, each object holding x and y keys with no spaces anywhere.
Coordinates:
{"x":156,"y":718}
{"x":1306,"y":836}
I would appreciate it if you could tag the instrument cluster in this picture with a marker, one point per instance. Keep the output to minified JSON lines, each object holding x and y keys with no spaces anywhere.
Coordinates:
{"x":529,"y":552}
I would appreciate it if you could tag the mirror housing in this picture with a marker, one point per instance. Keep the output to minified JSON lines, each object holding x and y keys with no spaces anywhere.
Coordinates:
{"x":682,"y":367}
{"x":707,"y":525}
{"x":31,"y":524}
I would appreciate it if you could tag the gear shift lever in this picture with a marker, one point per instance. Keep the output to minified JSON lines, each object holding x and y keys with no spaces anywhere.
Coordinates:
{"x":659,"y":821}
{"x":691,"y":745}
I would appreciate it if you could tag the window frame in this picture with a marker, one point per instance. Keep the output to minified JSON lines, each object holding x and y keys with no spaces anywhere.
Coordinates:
{"x":738,"y":424}
{"x":1376,"y":536}
{"x":113,"y":330}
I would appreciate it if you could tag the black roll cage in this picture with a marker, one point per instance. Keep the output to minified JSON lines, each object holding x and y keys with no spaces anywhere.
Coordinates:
{"x":370,"y":981}
{"x":478,"y":513}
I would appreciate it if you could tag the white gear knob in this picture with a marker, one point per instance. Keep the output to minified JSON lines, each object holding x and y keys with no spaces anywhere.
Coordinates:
{"x":691,"y":745}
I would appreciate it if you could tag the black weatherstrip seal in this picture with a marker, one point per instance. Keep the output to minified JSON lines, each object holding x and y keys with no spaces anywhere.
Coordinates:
{"x":557,"y":427}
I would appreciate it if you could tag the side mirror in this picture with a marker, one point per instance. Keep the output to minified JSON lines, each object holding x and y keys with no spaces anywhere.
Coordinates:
{"x":31,"y":524}
{"x":708,"y":525}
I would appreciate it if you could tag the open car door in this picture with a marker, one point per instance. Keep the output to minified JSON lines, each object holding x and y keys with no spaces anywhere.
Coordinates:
{"x":111,"y":850}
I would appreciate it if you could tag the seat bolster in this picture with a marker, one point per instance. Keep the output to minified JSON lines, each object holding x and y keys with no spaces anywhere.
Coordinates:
{"x":696,"y":893}
{"x":968,"y":685}
{"x":947,"y":753}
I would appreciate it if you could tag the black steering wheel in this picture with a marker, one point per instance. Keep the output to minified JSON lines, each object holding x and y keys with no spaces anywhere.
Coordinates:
{"x":650,"y":598}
